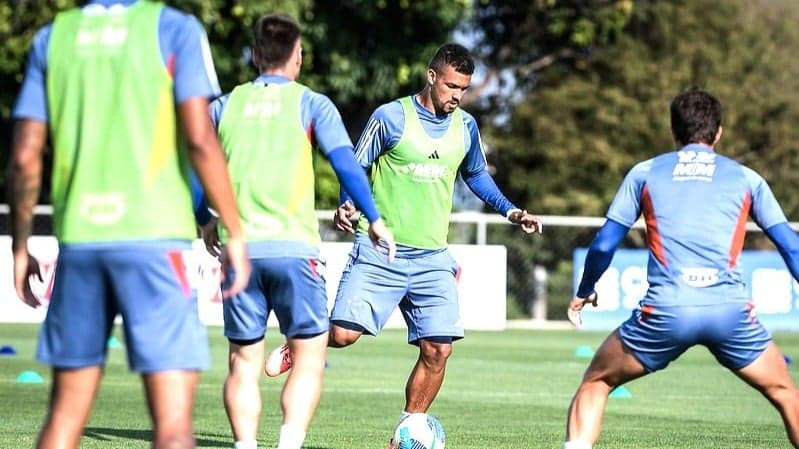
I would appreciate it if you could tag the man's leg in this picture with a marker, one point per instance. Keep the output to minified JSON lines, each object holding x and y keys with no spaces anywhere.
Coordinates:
{"x":427,"y":376}
{"x":343,"y":334}
{"x":612,"y":365}
{"x":71,"y":399}
{"x":303,"y":388}
{"x":769,"y":375}
{"x":170,"y":398}
{"x":242,"y":394}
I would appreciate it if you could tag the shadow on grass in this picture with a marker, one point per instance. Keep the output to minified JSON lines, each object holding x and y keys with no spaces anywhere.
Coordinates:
{"x":107,"y":434}
{"x":203,"y":439}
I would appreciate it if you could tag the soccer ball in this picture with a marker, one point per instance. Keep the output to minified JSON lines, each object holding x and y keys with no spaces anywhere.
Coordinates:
{"x":419,"y":431}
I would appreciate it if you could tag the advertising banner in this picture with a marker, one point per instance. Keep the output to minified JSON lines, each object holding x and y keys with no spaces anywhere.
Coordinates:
{"x":481,"y":282}
{"x":768,"y":282}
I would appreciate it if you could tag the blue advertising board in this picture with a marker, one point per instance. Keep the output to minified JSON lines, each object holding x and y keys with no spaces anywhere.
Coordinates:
{"x":768,"y":281}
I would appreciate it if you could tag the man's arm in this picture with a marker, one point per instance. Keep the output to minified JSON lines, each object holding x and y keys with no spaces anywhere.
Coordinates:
{"x":211,"y":168}
{"x":787,"y":243}
{"x":600,"y":254}
{"x":24,"y":184}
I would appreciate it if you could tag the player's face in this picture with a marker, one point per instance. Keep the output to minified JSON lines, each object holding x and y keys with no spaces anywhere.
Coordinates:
{"x":447,"y":89}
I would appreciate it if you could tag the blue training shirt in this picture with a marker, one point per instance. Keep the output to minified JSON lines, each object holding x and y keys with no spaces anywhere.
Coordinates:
{"x":696,"y":204}
{"x":184,"y":48}
{"x":384,"y":130}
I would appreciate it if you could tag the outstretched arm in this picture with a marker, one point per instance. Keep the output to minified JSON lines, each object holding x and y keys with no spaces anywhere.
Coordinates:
{"x":600,"y":254}
{"x":596,"y":262}
{"x":787,"y":242}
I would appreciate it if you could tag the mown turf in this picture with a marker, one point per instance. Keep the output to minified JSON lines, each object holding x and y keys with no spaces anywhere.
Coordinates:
{"x":503,"y":390}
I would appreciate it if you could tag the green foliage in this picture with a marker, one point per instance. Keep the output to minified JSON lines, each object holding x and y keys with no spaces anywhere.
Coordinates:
{"x":361,"y":53}
{"x":566,"y":145}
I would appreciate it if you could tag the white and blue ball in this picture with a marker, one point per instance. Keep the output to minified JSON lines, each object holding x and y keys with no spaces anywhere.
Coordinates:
{"x":419,"y":431}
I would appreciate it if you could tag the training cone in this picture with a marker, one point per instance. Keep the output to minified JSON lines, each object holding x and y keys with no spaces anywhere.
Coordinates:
{"x":29,"y":377}
{"x":114,"y":342}
{"x":584,"y":352}
{"x":620,"y":392}
{"x":8,"y":350}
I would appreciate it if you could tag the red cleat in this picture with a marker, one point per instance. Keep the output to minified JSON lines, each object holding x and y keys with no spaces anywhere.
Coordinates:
{"x":278,"y":361}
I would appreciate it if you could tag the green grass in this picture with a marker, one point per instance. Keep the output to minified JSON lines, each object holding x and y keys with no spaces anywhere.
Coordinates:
{"x":504,"y":390}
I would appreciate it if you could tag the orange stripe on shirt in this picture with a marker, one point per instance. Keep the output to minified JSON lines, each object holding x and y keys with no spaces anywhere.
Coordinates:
{"x":652,"y":233}
{"x":737,"y":243}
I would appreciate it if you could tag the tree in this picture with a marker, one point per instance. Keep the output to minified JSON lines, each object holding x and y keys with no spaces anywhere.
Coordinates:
{"x":361,"y":53}
{"x":569,"y":142}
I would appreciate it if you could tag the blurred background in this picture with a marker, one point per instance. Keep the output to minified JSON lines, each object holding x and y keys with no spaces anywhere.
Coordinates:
{"x":569,"y":95}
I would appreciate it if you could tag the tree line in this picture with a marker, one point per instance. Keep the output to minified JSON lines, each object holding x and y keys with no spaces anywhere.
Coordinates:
{"x":569,"y":93}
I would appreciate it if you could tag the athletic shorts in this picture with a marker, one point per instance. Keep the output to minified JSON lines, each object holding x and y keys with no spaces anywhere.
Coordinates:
{"x":292,"y":287}
{"x":148,"y":284}
{"x":731,"y":331}
{"x":424,"y":288}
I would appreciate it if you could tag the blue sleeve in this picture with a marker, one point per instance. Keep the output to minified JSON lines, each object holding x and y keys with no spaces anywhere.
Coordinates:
{"x":766,"y":211}
{"x":626,"y":205}
{"x":474,"y":173}
{"x":184,"y":46}
{"x":483,"y":185}
{"x":32,"y":99}
{"x":202,"y":214}
{"x":353,"y":181}
{"x":600,"y":254}
{"x":382,"y":131}
{"x":216,"y":108}
{"x":787,"y":243}
{"x":325,"y":122}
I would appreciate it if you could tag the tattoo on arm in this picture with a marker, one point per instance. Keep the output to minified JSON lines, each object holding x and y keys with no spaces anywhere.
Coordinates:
{"x":24,"y":178}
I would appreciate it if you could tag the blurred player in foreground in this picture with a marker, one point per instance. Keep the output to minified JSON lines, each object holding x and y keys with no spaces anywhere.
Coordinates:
{"x":124,"y":88}
{"x":696,"y":204}
{"x":268,"y":128}
{"x":414,"y":147}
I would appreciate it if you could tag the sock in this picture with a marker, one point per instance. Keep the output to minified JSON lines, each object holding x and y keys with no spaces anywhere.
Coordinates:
{"x":250,"y":444}
{"x":576,"y":444}
{"x":290,"y":437}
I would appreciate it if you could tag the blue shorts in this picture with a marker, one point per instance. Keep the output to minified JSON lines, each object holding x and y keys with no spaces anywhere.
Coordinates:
{"x":658,"y":335}
{"x":292,"y":287}
{"x":148,"y":284}
{"x":424,"y":288}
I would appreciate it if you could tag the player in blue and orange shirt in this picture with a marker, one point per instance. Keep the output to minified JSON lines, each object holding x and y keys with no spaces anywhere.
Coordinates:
{"x":122,"y":87}
{"x":696,"y":204}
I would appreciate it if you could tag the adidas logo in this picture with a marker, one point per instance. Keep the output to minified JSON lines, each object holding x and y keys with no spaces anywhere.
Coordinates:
{"x":434,"y":155}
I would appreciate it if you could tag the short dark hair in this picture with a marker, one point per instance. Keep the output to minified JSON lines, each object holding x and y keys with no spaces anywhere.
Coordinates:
{"x":274,"y":37}
{"x":695,"y":116}
{"x":454,"y":55}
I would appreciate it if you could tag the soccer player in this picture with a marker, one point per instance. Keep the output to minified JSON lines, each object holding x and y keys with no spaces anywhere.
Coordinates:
{"x":696,"y":203}
{"x":414,"y":147}
{"x":268,"y":128}
{"x":112,"y":80}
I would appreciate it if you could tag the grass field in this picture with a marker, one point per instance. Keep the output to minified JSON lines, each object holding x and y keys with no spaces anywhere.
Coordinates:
{"x":506,"y":390}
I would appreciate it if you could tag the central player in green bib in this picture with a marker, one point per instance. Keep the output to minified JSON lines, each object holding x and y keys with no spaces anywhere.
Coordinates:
{"x":414,"y":148}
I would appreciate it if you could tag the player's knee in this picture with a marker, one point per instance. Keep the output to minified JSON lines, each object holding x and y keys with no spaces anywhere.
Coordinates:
{"x":340,"y":338}
{"x":435,"y":354}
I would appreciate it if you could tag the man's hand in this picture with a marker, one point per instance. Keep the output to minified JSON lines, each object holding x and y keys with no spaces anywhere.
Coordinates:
{"x":377,"y":232}
{"x":528,"y":222}
{"x":210,"y":235}
{"x":235,"y":259}
{"x":576,"y":305}
{"x":342,"y":218}
{"x":25,"y":267}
